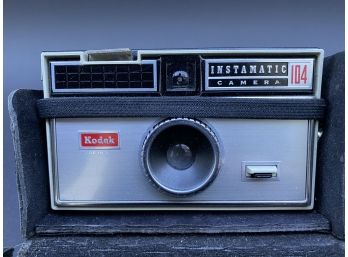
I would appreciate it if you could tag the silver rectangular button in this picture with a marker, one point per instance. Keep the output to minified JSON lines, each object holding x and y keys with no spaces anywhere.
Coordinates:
{"x":261,"y":171}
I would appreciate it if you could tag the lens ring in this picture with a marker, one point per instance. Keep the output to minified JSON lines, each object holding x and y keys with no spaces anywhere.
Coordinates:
{"x":184,"y":178}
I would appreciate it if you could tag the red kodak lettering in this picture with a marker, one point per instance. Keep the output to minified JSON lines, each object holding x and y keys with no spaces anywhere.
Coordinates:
{"x":99,"y":140}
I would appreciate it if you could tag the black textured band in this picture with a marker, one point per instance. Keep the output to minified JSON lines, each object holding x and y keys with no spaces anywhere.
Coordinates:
{"x":202,"y":107}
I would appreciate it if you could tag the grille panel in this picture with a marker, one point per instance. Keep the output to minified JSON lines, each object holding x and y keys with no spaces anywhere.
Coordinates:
{"x":73,"y":77}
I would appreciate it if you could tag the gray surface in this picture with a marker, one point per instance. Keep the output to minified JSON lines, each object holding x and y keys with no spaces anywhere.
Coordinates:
{"x":117,"y":176}
{"x":33,"y":26}
{"x":270,"y":245}
{"x":28,"y":135}
{"x":180,"y":223}
{"x":331,"y":171}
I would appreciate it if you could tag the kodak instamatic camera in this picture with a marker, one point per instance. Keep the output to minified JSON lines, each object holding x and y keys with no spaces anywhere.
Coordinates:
{"x":224,"y":129}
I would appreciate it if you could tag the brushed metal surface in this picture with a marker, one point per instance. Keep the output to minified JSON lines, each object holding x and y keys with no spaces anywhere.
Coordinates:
{"x":115,"y":176}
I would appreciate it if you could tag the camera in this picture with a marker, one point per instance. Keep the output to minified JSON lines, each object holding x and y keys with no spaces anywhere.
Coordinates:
{"x":182,"y":129}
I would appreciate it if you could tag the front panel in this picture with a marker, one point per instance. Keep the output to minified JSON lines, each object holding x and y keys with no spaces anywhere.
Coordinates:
{"x":99,"y":177}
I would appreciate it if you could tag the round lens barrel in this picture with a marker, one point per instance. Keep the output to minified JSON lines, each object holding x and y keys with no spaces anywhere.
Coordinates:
{"x":181,"y":156}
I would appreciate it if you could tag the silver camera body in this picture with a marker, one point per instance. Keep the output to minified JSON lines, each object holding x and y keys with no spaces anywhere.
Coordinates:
{"x":182,"y":129}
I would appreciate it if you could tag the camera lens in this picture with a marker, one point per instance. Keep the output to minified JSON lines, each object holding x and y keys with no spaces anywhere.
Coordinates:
{"x":181,"y":156}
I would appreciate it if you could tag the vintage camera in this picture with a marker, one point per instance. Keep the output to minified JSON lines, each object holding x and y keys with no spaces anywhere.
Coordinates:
{"x":182,"y":129}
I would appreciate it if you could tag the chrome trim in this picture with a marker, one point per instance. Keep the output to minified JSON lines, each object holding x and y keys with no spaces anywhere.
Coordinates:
{"x":313,"y":147}
{"x":311,"y":159}
{"x":224,"y":51}
{"x":104,"y":90}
